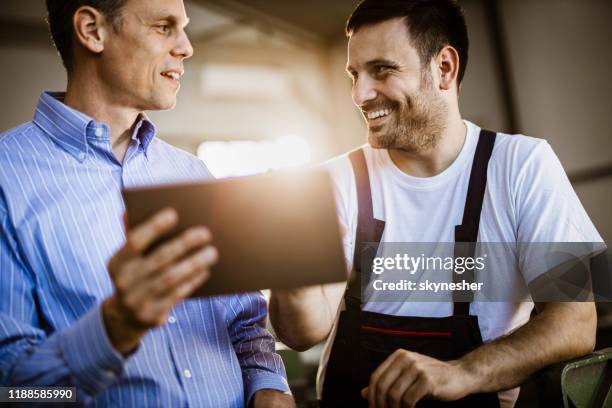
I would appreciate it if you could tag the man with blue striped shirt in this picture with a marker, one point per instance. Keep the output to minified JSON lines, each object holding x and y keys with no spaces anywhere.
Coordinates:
{"x":82,"y":303}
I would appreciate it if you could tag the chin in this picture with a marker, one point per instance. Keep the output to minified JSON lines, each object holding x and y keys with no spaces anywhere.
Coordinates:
{"x":163,"y":104}
{"x":169,"y":105}
{"x":379,"y":140}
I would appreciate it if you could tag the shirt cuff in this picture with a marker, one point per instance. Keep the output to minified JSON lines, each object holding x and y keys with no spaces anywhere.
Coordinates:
{"x":262,"y":381}
{"x":87,"y":350}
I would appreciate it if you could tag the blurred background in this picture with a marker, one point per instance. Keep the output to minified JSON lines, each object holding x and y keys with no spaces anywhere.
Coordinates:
{"x":266,"y":88}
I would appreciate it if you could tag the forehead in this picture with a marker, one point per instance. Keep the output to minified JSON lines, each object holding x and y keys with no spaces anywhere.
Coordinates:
{"x":156,"y":8}
{"x":388,"y":40}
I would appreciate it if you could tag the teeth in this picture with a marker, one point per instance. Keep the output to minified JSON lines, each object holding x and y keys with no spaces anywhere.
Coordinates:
{"x":378,"y":114}
{"x":173,"y":75}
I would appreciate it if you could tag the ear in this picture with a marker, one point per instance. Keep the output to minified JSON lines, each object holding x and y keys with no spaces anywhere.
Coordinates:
{"x":447,"y":65}
{"x":90,"y":28}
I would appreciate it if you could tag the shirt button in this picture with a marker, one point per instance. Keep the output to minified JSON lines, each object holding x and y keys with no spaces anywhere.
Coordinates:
{"x":81,"y":155}
{"x":172,"y":320}
{"x":187,"y":373}
{"x":98,"y":132}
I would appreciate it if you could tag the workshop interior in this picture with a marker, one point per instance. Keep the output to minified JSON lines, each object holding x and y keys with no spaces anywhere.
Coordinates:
{"x":266,"y":89}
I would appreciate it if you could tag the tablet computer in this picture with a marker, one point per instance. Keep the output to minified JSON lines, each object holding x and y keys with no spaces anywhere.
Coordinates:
{"x":273,"y":231}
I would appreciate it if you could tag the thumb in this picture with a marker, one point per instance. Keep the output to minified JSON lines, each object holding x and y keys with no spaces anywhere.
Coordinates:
{"x":364,"y":392}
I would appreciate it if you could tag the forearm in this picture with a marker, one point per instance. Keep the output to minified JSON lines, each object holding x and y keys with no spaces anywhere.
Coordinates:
{"x":562,"y":331}
{"x":270,"y":398}
{"x":262,"y":367}
{"x":79,"y":356}
{"x":303,"y":317}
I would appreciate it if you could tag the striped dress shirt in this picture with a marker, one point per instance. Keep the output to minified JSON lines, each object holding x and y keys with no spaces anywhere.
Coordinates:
{"x":60,"y":222}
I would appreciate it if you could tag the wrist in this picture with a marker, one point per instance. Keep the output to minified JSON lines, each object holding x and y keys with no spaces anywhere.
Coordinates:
{"x":271,"y":398}
{"x":471,"y":374}
{"x":123,"y":335}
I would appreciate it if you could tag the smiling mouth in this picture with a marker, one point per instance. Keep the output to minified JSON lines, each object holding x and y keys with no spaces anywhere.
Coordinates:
{"x":173,"y":76}
{"x":378,"y":113}
{"x":376,"y":118}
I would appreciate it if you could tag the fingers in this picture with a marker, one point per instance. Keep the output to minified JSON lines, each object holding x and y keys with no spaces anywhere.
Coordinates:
{"x":162,"y":306}
{"x":138,"y":271}
{"x":170,"y":252}
{"x":402,"y":380}
{"x":168,"y":283}
{"x":142,"y":236}
{"x":401,"y":385}
{"x":194,"y":281}
{"x":380,"y":387}
{"x":151,"y":302}
{"x":148,"y":286}
{"x":373,"y":390}
{"x":419,"y":389}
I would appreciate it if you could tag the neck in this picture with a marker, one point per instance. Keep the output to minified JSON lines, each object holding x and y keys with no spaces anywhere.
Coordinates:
{"x":433,"y":161}
{"x":87,"y":94}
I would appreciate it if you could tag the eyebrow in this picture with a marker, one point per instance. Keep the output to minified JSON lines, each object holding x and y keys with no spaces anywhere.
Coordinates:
{"x":382,"y":61}
{"x":378,"y":61}
{"x":161,"y":16}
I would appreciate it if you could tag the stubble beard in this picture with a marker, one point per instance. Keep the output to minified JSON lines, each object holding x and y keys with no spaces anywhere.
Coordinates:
{"x":419,"y":122}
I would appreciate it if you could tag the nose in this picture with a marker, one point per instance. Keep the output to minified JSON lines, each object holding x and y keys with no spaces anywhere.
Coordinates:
{"x":363,"y":91}
{"x":183,"y":48}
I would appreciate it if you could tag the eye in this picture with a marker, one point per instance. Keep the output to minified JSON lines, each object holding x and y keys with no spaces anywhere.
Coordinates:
{"x":381,"y":69}
{"x":163,"y":28}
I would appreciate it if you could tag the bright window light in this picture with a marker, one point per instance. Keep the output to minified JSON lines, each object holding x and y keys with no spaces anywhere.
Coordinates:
{"x":241,"y":158}
{"x":243,"y":82}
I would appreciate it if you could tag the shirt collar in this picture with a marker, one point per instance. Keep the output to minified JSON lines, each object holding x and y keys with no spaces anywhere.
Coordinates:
{"x":72,"y":129}
{"x":144,"y":131}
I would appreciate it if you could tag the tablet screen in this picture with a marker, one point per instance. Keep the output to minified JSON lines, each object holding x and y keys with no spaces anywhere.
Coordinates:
{"x":273,"y":231}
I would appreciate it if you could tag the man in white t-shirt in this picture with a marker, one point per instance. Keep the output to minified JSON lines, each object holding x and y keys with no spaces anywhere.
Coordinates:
{"x":427,"y":175}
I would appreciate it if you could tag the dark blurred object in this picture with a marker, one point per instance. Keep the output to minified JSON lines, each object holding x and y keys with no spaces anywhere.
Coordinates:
{"x":585,"y":382}
{"x":302,"y":378}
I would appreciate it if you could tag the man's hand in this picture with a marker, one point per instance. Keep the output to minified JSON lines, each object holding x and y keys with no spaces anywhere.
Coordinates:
{"x":405,"y":378}
{"x":267,"y":398}
{"x":148,"y":286}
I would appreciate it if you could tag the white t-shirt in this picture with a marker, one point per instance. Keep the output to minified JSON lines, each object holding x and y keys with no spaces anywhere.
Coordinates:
{"x":528,"y":199}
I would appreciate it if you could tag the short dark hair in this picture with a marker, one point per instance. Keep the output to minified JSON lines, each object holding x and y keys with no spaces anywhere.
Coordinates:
{"x":59,"y":17}
{"x":433,"y":24}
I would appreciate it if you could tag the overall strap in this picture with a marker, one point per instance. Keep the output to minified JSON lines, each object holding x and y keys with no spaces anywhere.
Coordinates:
{"x":369,"y":229}
{"x":467,"y":232}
